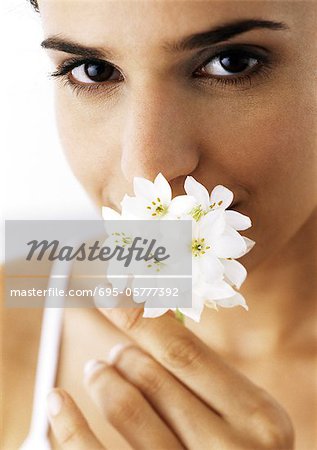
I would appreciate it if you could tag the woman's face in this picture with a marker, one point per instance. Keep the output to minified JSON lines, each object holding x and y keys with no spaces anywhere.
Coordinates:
{"x":160,"y":86}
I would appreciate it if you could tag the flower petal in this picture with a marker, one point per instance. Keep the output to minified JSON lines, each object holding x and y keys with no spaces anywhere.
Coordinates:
{"x":197,"y":190}
{"x":162,"y":188}
{"x":237,"y":220}
{"x":144,"y":188}
{"x":217,"y":290}
{"x":211,"y":226}
{"x":234,"y":271}
{"x":135,"y":207}
{"x":118,"y":283}
{"x":195,"y":311}
{"x":195,"y":229}
{"x":221,"y":196}
{"x":181,"y":205}
{"x":210,"y":266}
{"x":229,"y":245}
{"x":192,"y":313}
{"x":235,"y":300}
{"x":249,"y":243}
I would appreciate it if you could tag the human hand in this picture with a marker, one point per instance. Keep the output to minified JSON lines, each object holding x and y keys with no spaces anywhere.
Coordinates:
{"x":169,"y":390}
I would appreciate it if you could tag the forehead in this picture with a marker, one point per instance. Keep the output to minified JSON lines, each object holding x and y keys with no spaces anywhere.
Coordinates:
{"x":126,"y":24}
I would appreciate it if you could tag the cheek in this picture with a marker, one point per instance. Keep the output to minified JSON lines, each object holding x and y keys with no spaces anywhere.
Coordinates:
{"x":271,"y":152}
{"x":280,"y":171}
{"x":88,"y":140}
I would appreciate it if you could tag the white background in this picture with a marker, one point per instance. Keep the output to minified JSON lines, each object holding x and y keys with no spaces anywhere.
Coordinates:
{"x":35,"y":181}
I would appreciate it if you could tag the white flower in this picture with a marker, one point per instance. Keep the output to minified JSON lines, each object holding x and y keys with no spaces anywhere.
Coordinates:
{"x":212,"y":242}
{"x":215,"y":273}
{"x":154,"y":200}
{"x":205,"y":236}
{"x":129,"y":235}
{"x":214,"y":245}
{"x":220,"y":198}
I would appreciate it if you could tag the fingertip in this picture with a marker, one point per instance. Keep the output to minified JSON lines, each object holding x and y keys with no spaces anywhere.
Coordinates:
{"x":91,"y":367}
{"x":54,"y":402}
{"x":68,"y":423}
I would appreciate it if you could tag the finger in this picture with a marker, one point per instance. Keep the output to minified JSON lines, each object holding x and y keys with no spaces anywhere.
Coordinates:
{"x":201,"y":428}
{"x":222,"y":387}
{"x":68,"y":423}
{"x":127,"y":409}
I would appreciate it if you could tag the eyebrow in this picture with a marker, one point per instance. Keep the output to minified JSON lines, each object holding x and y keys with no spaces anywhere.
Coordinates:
{"x":207,"y":38}
{"x":223,"y":33}
{"x":67,"y":46}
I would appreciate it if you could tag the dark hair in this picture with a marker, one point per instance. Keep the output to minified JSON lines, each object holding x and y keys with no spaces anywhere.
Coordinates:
{"x":34,"y":4}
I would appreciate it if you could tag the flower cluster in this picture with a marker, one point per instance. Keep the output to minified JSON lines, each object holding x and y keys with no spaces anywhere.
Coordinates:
{"x":215,"y":243}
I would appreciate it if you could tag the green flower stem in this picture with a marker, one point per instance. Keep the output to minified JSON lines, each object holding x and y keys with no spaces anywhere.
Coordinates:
{"x":179,"y":316}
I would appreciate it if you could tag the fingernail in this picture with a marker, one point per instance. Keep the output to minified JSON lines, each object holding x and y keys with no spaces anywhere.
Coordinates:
{"x":54,"y":403}
{"x":92,"y":366}
{"x":115,"y":351}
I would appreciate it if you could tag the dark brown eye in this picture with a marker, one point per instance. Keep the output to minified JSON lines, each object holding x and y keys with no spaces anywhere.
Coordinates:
{"x":234,"y":63}
{"x":96,"y":72}
{"x":229,"y":63}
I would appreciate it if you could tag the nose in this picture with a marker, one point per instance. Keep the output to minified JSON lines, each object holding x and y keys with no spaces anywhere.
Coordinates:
{"x":158,"y":135}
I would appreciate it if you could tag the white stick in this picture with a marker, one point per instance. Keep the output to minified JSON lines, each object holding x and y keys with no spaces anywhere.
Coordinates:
{"x":47,"y":359}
